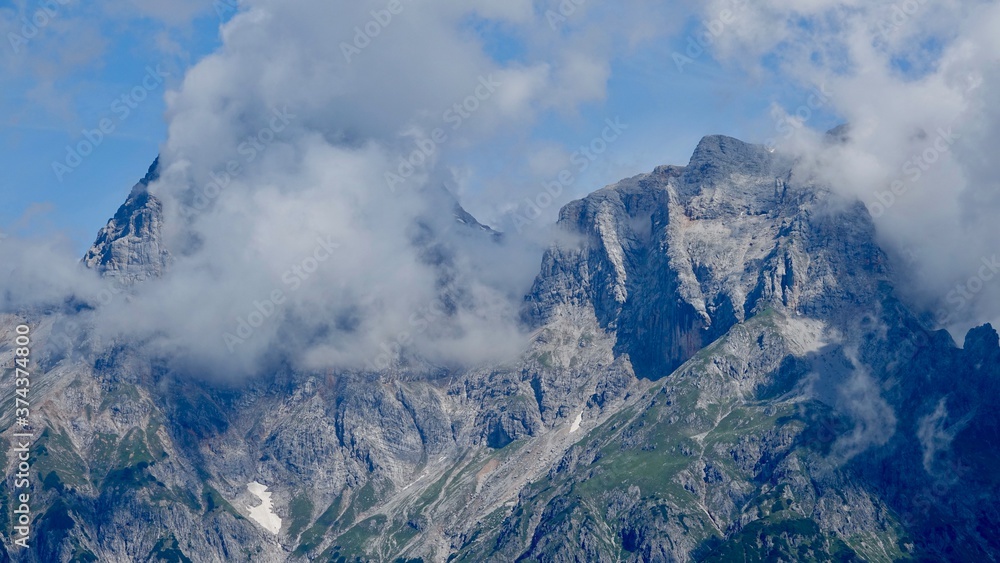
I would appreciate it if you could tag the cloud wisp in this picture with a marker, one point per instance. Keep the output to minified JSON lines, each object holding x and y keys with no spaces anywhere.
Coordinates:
{"x":914,"y":80}
{"x":341,"y":122}
{"x":303,"y":224}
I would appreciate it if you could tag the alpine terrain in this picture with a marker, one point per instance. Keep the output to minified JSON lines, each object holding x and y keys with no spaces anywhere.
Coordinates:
{"x":720,"y":369}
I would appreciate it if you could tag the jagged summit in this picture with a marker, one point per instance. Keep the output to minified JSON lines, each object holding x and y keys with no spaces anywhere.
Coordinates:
{"x":152,"y":174}
{"x":839,"y":134}
{"x":983,"y":341}
{"x":724,"y":151}
{"x":717,"y":158}
{"x":673,"y":259}
{"x":442,"y":199}
{"x":129,"y":248}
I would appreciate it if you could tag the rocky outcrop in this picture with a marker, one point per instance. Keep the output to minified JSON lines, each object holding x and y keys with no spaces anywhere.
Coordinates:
{"x":130,"y":248}
{"x":672,"y":260}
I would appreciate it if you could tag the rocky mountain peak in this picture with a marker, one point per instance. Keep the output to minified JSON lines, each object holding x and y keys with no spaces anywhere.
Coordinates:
{"x":129,"y":247}
{"x":813,"y":418}
{"x":717,"y":158}
{"x":671,"y":260}
{"x":983,"y":342}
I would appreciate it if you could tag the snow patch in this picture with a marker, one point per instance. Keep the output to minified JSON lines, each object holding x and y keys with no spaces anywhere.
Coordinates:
{"x":576,"y":423}
{"x":263,"y":514}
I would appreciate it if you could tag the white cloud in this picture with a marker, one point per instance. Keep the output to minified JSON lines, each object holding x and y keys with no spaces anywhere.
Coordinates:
{"x":282,"y":139}
{"x":315,"y":102}
{"x":914,"y":79}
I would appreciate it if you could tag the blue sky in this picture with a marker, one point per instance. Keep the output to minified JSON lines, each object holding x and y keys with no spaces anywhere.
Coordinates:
{"x":46,"y":107}
{"x":48,"y":98}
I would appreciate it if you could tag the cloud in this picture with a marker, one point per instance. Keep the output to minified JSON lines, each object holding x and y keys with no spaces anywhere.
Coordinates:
{"x":936,"y":434}
{"x":915,"y":80}
{"x":302,"y":176}
{"x":873,"y":420}
{"x":336,"y":124}
{"x":289,"y":241}
{"x":43,"y":275}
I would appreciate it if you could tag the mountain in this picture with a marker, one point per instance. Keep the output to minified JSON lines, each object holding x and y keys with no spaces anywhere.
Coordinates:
{"x":129,"y":248}
{"x":719,"y":370}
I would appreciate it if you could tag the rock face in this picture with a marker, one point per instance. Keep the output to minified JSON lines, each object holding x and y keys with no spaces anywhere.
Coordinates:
{"x":129,"y":248}
{"x":719,"y":371}
{"x":672,"y":260}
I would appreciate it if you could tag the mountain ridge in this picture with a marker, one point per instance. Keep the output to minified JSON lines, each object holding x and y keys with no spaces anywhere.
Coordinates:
{"x":719,"y":370}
